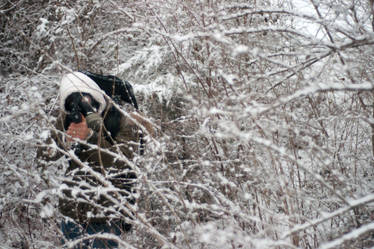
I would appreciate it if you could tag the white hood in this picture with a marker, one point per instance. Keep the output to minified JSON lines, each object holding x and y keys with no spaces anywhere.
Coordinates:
{"x":79,"y":82}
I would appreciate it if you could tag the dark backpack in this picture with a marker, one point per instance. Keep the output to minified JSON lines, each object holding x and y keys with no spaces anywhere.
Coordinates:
{"x":118,"y":90}
{"x":114,"y":87}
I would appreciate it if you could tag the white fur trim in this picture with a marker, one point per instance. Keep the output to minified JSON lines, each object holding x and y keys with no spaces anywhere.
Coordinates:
{"x":79,"y":82}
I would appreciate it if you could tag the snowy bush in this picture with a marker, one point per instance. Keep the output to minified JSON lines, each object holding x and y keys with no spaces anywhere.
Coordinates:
{"x":263,"y":113}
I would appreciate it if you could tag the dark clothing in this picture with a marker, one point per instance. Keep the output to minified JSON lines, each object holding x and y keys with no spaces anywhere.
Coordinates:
{"x":74,"y":231}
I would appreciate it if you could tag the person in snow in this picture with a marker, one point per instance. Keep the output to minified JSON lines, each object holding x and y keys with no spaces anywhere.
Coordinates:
{"x":100,"y":142}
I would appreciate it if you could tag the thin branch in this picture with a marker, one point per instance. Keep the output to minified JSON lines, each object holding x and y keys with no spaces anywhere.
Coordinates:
{"x":353,"y":204}
{"x":355,"y":234}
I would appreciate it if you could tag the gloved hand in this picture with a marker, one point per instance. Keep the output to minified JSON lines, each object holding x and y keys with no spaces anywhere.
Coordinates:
{"x":79,"y":130}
